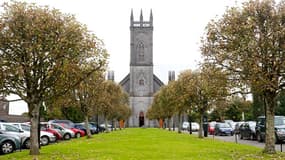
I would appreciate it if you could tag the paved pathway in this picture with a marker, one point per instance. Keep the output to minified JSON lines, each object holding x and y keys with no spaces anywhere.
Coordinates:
{"x":242,"y":141}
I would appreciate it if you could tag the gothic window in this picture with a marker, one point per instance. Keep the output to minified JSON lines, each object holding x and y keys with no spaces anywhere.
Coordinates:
{"x":140,"y":49}
{"x":141,"y":82}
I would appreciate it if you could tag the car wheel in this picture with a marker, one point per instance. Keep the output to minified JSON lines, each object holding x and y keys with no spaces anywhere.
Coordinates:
{"x":27,"y":144}
{"x":45,"y":140}
{"x":276,"y":140}
{"x":241,"y":137}
{"x":7,"y":147}
{"x":258,"y":136}
{"x":77,"y":135}
{"x":251,"y":136}
{"x":67,"y":136}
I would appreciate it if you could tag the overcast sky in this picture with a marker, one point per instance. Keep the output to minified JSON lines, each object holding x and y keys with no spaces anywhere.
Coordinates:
{"x":178,"y":28}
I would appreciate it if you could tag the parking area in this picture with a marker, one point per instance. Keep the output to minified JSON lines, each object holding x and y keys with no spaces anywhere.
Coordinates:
{"x":236,"y":139}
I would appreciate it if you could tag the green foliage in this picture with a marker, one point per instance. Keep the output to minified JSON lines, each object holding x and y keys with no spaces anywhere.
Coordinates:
{"x":236,"y":107}
{"x":113,"y":102}
{"x":72,"y":113}
{"x":146,"y":144}
{"x":280,"y":109}
{"x":257,"y":104}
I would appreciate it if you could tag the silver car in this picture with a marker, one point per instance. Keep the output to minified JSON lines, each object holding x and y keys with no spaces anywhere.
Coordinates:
{"x":66,"y":133}
{"x":10,"y":129}
{"x":46,"y":137}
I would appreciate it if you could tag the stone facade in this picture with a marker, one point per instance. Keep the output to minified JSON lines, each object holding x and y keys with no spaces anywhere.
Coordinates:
{"x":141,"y":83}
{"x":4,"y":113}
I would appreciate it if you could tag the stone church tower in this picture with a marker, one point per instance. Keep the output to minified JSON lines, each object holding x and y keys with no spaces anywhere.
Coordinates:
{"x":141,"y":83}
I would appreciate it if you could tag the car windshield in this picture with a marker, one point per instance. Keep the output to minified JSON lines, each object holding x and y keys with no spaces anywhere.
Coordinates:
{"x":279,"y":121}
{"x":224,"y":125}
{"x":252,"y":124}
{"x":65,"y":125}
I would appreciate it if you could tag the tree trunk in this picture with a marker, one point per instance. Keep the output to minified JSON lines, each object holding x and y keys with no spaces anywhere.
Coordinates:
{"x":115,"y":125}
{"x":106,"y":125}
{"x":179,"y":122}
{"x":169,"y":123}
{"x":270,"y":131}
{"x":87,"y":127}
{"x":201,"y":127}
{"x":35,"y":115}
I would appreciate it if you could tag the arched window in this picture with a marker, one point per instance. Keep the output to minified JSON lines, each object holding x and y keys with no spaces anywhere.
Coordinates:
{"x":140,"y":51}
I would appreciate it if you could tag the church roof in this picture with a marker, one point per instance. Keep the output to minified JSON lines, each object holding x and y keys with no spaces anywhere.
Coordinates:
{"x":125,"y":83}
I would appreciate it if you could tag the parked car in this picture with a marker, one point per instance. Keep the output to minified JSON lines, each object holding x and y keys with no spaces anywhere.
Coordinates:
{"x":45,"y":127}
{"x":9,"y":129}
{"x":46,"y":137}
{"x":66,"y":133}
{"x":67,"y":122}
{"x":194,"y":126}
{"x":279,"y":125}
{"x":223,"y":129}
{"x":77,"y":132}
{"x":247,"y":130}
{"x":99,"y":128}
{"x":237,"y":126}
{"x":9,"y":143}
{"x":108,"y":125}
{"x":82,"y":127}
{"x":231,"y":123}
{"x":211,"y":128}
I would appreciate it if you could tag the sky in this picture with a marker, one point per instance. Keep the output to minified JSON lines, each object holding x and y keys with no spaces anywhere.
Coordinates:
{"x":178,"y":28}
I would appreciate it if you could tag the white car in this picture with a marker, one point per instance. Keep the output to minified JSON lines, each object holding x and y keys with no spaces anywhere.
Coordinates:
{"x":194,"y":125}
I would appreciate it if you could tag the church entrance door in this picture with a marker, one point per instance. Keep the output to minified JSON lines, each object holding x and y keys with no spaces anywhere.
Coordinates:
{"x":141,"y":119}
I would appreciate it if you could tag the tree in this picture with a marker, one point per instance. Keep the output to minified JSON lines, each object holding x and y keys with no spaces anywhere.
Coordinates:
{"x":86,"y":94}
{"x":248,"y":42}
{"x":236,"y":106}
{"x":112,"y":97}
{"x":280,"y":110}
{"x":183,"y":94}
{"x":41,"y":49}
{"x":209,"y":86}
{"x":162,"y":106}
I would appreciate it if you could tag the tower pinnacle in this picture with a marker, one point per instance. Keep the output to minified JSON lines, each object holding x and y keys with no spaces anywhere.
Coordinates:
{"x":132,"y":18}
{"x":141,"y":16}
{"x":151,"y":17}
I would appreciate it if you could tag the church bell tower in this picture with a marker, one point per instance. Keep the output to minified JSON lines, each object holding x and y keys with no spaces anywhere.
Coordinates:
{"x":141,"y":83}
{"x":141,"y":65}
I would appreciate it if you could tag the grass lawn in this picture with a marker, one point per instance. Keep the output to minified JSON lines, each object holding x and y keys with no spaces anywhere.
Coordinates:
{"x":145,"y":144}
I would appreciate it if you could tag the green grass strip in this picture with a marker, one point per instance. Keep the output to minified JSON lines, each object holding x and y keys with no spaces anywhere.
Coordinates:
{"x":145,"y":144}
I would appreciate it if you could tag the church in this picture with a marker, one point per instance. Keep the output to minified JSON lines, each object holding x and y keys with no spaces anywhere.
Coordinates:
{"x":141,"y":83}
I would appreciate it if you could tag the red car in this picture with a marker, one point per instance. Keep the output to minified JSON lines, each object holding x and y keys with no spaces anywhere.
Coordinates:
{"x":211,"y":128}
{"x":77,"y":132}
{"x":44,"y":127}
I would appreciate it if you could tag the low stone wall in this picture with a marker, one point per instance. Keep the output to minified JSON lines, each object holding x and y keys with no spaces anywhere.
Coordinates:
{"x":15,"y":118}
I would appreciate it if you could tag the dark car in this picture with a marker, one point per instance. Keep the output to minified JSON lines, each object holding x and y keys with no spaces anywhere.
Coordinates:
{"x":247,"y":130}
{"x":279,"y":125}
{"x":82,"y":127}
{"x":223,"y":129}
{"x":99,"y":128}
